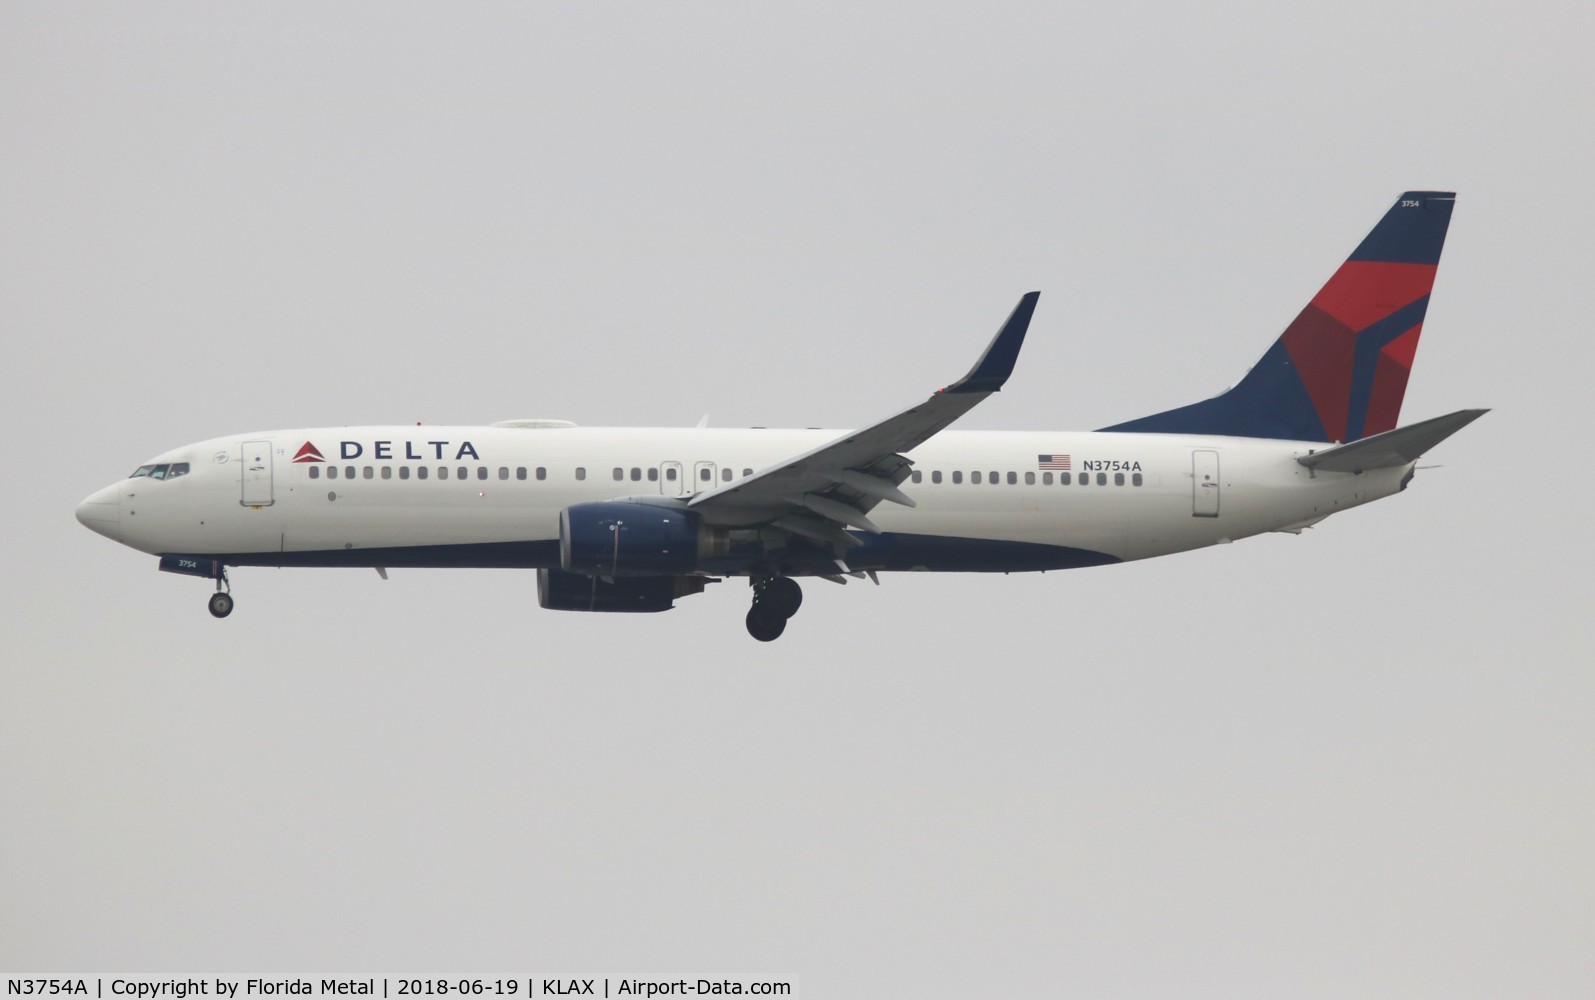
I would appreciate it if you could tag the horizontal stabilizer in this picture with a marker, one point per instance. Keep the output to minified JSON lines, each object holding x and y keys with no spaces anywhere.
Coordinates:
{"x":1392,"y":448}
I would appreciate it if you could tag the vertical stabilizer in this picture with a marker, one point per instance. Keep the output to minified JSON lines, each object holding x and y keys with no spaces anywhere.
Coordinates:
{"x":1339,"y":371}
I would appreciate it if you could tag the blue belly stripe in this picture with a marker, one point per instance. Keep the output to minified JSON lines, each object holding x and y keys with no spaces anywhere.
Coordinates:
{"x":892,"y":552}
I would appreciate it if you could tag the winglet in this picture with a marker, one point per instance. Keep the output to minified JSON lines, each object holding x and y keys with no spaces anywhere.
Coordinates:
{"x":994,"y":367}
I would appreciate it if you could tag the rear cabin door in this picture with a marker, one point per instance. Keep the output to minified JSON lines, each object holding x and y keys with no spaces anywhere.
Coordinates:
{"x":1204,"y":484}
{"x":257,"y":474}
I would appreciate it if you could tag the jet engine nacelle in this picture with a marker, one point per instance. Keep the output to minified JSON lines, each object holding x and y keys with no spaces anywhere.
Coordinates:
{"x":619,"y":538}
{"x":558,"y":590}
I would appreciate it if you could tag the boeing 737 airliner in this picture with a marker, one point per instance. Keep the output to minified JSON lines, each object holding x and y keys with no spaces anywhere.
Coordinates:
{"x":629,"y":519}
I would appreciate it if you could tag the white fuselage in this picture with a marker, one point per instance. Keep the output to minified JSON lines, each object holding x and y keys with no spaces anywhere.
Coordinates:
{"x":492,"y":496}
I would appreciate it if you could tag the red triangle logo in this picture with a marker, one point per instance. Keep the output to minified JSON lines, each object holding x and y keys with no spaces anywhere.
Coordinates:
{"x":308,"y":453}
{"x":1363,"y":292}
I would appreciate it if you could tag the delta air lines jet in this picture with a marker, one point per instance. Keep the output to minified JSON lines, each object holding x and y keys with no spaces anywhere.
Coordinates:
{"x":633,"y":519}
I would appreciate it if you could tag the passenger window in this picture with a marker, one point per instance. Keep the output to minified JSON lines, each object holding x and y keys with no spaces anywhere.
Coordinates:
{"x":703,"y":475}
{"x":481,"y":472}
{"x":1046,"y":479}
{"x":520,"y":472}
{"x":443,"y":472}
{"x":542,"y":473}
{"x":1102,"y":479}
{"x":348,"y":472}
{"x":620,"y":474}
{"x":1013,"y":479}
{"x":636,"y":474}
{"x":1135,"y":479}
{"x":420,"y":472}
{"x":670,"y":474}
{"x":504,"y":473}
{"x":367,"y":472}
{"x":958,"y":477}
{"x":1085,"y":479}
{"x":746,"y":473}
{"x":1118,"y":479}
{"x":935,"y":477}
{"x":581,"y":473}
{"x":1063,"y":479}
{"x":404,"y":472}
{"x":332,"y":472}
{"x":1030,"y":479}
{"x":918,"y":477}
{"x":387,"y":472}
{"x":315,"y":472}
{"x":653,"y":475}
{"x":725,"y":474}
{"x":996,"y":480}
{"x":974,"y":477}
{"x":463,"y":472}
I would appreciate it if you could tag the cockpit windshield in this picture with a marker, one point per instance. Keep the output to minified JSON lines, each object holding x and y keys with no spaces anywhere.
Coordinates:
{"x":170,"y":470}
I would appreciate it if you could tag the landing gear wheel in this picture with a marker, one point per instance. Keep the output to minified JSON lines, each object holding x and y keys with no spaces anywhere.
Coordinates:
{"x":782,"y":596}
{"x":763,"y":625}
{"x":221,"y":604}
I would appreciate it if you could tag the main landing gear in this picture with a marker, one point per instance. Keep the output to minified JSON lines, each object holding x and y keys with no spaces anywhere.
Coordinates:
{"x":775,"y":599}
{"x":221,"y":602}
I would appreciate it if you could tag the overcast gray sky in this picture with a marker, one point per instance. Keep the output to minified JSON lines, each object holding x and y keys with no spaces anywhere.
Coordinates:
{"x":1356,"y":762}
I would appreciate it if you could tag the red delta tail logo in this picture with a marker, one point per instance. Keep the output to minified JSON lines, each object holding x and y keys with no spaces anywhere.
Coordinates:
{"x":308,"y":453}
{"x":1353,"y":345}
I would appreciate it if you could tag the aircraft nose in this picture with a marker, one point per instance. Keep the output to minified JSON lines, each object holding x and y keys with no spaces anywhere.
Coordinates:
{"x":101,"y":512}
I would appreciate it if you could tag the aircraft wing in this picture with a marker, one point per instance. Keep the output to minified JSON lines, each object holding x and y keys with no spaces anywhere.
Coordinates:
{"x":820,"y":492}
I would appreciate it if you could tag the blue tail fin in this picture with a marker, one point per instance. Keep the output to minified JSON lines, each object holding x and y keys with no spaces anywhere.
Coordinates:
{"x":1339,"y":371}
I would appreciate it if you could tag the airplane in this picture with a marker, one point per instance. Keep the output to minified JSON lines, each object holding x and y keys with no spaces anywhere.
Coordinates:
{"x":634,"y":519}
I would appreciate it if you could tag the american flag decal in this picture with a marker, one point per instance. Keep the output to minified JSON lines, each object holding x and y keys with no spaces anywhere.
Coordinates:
{"x":1060,"y":462}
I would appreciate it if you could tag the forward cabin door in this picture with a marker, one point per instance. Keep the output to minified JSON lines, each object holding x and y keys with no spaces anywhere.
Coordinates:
{"x":257,"y":474}
{"x":1204,"y":484}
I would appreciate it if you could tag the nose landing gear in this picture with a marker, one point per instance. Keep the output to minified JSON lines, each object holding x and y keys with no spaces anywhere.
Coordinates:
{"x":775,"y":600}
{"x":221,"y":602}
